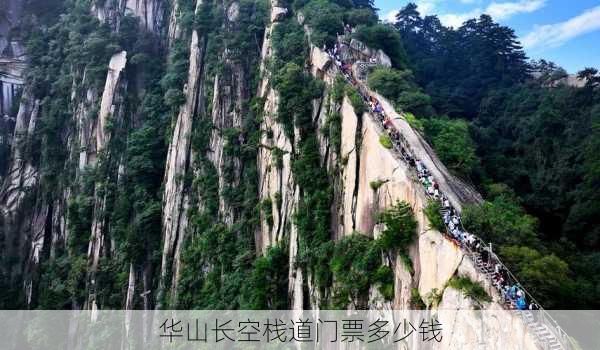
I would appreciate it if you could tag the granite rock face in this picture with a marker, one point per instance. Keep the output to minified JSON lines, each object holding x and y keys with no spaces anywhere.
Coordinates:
{"x":36,"y":223}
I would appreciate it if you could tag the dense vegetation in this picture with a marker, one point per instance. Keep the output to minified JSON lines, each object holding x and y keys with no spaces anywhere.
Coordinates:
{"x":66,"y":59}
{"x":469,"y":288}
{"x":528,"y":141}
{"x":344,"y":271}
{"x":357,"y":262}
{"x":219,"y":269}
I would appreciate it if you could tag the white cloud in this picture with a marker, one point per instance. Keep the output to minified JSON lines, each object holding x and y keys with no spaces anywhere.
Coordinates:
{"x":554,"y":35}
{"x":457,"y":19}
{"x":498,"y":11}
{"x":390,"y":16}
{"x":503,"y":10}
{"x":425,"y":7}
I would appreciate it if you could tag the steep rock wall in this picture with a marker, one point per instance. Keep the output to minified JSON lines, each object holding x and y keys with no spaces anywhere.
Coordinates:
{"x":21,"y":180}
{"x":435,"y":259}
{"x":459,"y":193}
{"x":111,"y":105}
{"x":362,"y":160}
{"x":36,"y":213}
{"x":10,"y":18}
{"x":149,"y":12}
{"x":218,"y":114}
{"x":277,"y":184}
{"x":176,"y":195}
{"x":468,"y":328}
{"x":11,"y":76}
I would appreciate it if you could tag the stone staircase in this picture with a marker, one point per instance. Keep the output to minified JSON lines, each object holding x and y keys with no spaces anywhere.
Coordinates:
{"x":544,"y":336}
{"x":546,"y":339}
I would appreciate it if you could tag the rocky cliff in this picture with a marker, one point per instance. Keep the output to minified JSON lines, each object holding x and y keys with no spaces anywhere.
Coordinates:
{"x":194,"y":179}
{"x":11,"y":76}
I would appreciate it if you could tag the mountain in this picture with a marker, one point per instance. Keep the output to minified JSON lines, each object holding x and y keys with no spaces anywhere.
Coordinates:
{"x":218,"y":155}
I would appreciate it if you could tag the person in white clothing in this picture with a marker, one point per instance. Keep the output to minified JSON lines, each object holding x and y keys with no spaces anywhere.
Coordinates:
{"x":519,"y":293}
{"x":455,"y":220}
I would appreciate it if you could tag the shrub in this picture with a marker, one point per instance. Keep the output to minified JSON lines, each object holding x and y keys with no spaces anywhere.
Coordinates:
{"x":267,"y":208}
{"x":174,"y":98}
{"x":384,"y":276}
{"x":333,"y":130}
{"x":415,"y":299}
{"x":400,"y":227}
{"x":415,"y":101}
{"x":390,"y":82}
{"x":399,"y":87}
{"x":289,"y":44}
{"x":415,"y":123}
{"x":432,"y":211}
{"x":338,"y":88}
{"x":355,"y":100}
{"x":355,"y":263}
{"x":408,"y":264}
{"x":386,"y":38}
{"x":434,"y":297}
{"x":277,"y":155}
{"x":356,"y":17}
{"x":386,"y":141}
{"x":278,"y":199}
{"x":452,"y":143}
{"x":501,"y":221}
{"x":469,"y":288}
{"x":326,"y":21}
{"x":269,"y":280}
{"x":376,"y":184}
{"x":546,"y":276}
{"x":296,"y":91}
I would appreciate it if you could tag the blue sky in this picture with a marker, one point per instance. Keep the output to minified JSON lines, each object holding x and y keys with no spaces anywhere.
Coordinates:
{"x":566,"y":32}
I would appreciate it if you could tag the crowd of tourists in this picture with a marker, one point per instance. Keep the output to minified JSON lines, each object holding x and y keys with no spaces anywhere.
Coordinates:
{"x":512,"y":293}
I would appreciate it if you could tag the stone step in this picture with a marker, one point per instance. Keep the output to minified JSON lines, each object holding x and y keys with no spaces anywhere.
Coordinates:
{"x":530,"y":321}
{"x":547,"y":336}
{"x":555,"y":346}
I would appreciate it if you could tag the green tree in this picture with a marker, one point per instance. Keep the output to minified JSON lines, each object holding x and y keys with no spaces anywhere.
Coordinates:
{"x":501,"y":221}
{"x":452,"y":143}
{"x":390,"y":82}
{"x":399,"y":87}
{"x":384,"y":37}
{"x":547,"y":277}
{"x":325,"y":19}
{"x":356,"y":17}
{"x":432,"y":211}
{"x":354,"y":262}
{"x":268,"y":287}
{"x":400,"y":227}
